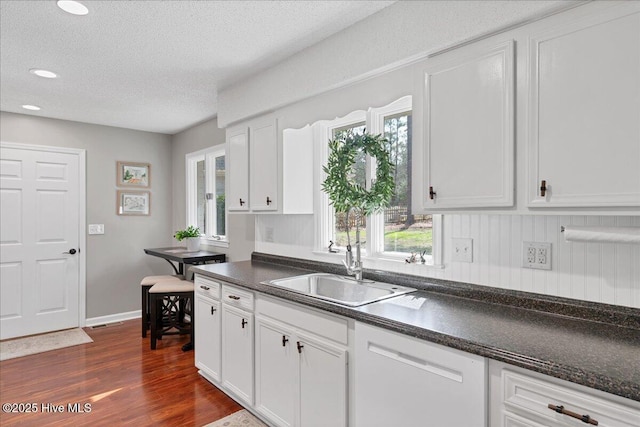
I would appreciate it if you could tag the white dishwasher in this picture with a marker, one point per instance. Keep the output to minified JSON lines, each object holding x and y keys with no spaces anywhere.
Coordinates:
{"x":405,"y":381}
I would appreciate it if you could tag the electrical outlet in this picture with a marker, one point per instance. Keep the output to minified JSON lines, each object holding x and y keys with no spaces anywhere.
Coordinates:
{"x":531,"y":255}
{"x":536,"y":255}
{"x":462,"y":250}
{"x":541,"y":256}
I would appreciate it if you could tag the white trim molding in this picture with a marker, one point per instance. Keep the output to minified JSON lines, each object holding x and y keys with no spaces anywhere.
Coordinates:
{"x":112,"y":318}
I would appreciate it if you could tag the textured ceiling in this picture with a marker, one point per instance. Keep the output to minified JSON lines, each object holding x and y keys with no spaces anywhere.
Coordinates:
{"x":152,"y":65}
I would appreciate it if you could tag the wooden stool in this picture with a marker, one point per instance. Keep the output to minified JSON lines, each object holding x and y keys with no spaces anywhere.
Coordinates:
{"x":146,"y":284}
{"x":169,"y":301}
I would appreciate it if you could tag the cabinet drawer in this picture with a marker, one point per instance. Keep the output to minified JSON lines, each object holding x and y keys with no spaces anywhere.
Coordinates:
{"x":322,"y":324}
{"x":207,"y":287}
{"x":530,"y":396}
{"x":237,"y":297}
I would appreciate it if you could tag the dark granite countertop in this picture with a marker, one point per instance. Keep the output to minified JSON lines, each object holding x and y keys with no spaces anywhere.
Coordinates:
{"x":604,"y":355}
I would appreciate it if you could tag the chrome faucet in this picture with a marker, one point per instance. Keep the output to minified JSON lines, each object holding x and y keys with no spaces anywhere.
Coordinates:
{"x":354,"y":267}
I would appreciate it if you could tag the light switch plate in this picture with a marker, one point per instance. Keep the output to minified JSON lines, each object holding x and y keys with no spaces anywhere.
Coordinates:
{"x":462,"y":250}
{"x":268,"y":232}
{"x":96,"y":228}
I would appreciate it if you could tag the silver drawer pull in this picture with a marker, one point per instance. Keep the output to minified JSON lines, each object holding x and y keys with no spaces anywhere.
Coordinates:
{"x":584,"y":418}
{"x":234,"y":297}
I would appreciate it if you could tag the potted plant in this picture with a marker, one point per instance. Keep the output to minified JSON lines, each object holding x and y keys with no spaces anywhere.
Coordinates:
{"x":192,"y":236}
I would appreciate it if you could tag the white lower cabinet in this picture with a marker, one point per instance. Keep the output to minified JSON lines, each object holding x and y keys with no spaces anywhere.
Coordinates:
{"x":404,"y":381}
{"x":207,"y":336}
{"x":322,"y":370}
{"x":522,"y":398}
{"x":207,"y":327}
{"x":301,"y":371}
{"x":237,"y":343}
{"x":275,"y":372}
{"x":298,"y":361}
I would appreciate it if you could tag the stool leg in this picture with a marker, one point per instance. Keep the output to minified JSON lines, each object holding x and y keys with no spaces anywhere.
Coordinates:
{"x":153,"y":318}
{"x":190,"y":345}
{"x":145,"y":310}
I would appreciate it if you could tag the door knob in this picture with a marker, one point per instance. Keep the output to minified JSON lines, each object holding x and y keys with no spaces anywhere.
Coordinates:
{"x":71,"y":251}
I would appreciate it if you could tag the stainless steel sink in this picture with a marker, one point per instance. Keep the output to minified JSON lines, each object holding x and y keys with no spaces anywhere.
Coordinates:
{"x":339,"y":289}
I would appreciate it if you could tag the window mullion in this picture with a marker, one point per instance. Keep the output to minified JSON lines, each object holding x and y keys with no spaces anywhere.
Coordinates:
{"x":210,"y":185}
{"x":191,"y":191}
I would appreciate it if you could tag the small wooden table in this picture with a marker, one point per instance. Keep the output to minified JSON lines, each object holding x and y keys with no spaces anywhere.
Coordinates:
{"x":182,"y":256}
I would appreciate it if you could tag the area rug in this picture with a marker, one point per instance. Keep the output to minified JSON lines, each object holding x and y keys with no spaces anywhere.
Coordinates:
{"x":242,"y":418}
{"x":10,"y":349}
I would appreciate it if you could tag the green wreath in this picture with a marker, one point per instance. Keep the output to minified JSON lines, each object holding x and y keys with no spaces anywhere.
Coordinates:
{"x":345,"y":194}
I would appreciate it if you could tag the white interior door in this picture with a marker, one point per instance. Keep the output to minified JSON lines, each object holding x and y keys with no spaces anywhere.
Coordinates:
{"x":40,"y":199}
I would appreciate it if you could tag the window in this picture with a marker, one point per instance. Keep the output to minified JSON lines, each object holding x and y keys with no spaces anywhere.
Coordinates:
{"x":404,"y":233}
{"x":359,"y":176}
{"x":395,"y":233}
{"x":205,"y":171}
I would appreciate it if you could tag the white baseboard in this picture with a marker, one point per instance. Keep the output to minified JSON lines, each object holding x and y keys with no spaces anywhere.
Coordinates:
{"x":112,"y":318}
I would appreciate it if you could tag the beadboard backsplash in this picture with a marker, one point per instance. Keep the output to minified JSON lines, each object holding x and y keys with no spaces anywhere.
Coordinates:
{"x":600,"y":272}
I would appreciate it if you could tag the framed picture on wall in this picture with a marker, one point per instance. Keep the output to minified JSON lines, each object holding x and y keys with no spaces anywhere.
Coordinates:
{"x":133,"y":174}
{"x":133,"y":202}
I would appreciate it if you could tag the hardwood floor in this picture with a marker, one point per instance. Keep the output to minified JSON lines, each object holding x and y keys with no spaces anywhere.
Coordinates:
{"x":122,"y":380}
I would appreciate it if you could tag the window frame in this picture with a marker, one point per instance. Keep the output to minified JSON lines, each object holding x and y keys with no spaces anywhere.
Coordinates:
{"x":325,"y":217}
{"x":208,"y":155}
{"x":325,"y":225}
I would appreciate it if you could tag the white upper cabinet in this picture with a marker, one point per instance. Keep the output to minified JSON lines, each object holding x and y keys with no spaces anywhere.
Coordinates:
{"x":238,"y":175}
{"x":469,"y":128}
{"x":267,"y":174}
{"x":263,"y":171}
{"x":584,"y":112}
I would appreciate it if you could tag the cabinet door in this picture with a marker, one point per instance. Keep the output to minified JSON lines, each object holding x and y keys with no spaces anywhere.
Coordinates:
{"x":275,"y":373}
{"x":511,"y":420}
{"x":469,"y":128}
{"x":264,"y":165}
{"x":584,"y":111}
{"x":323,"y":383}
{"x":238,"y":170}
{"x":207,"y":333}
{"x":297,"y":171}
{"x":237,"y":352}
{"x":403,"y":381}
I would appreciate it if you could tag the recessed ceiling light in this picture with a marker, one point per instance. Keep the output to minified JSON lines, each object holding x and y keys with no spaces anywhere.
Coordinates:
{"x":73,"y":7}
{"x":31,"y":107}
{"x":43,"y":73}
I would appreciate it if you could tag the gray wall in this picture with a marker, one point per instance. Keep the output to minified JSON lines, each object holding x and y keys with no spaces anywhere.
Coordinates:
{"x":397,"y":34}
{"x":115,"y":260}
{"x":240,"y":227}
